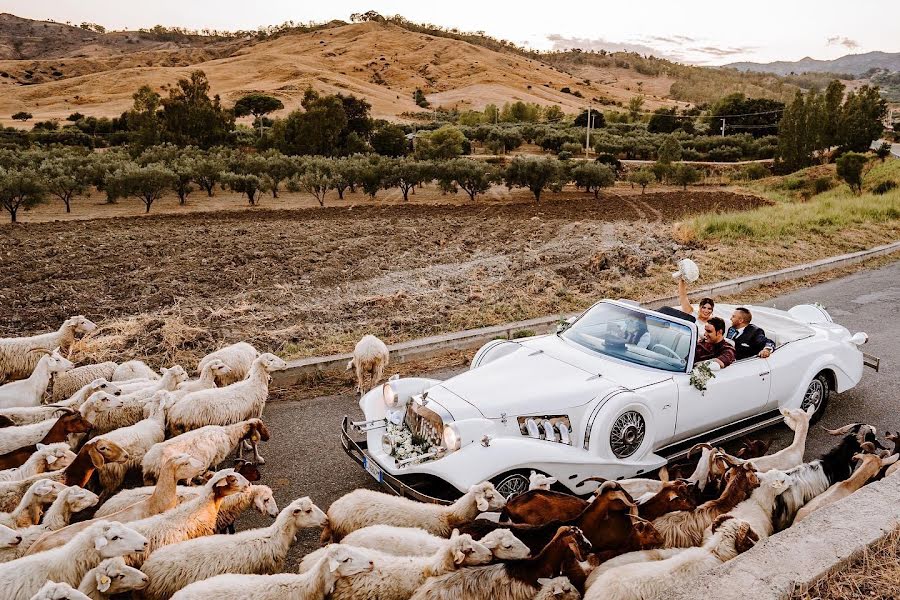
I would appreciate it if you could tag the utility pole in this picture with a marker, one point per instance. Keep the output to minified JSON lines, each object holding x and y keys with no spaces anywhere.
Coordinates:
{"x":587,"y":139}
{"x":723,"y":127}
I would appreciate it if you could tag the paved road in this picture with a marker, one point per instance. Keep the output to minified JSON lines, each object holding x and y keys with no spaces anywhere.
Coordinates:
{"x":305,"y":456}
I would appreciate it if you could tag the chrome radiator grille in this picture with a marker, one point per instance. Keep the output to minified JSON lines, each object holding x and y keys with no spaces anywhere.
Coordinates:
{"x":425,"y":424}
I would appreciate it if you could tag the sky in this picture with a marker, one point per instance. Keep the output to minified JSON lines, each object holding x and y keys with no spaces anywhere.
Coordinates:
{"x":700,"y":31}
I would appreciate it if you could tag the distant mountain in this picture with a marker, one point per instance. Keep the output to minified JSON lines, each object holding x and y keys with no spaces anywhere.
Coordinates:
{"x":854,"y":64}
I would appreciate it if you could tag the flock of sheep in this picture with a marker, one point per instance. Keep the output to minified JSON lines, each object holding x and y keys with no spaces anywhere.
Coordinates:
{"x":72,"y":438}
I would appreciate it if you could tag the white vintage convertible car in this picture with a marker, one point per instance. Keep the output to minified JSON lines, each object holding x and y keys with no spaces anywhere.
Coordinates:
{"x":586,"y":401}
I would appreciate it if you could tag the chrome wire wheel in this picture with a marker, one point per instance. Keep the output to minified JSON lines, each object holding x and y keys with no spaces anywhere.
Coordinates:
{"x":627,"y":434}
{"x":814,"y":395}
{"x":512,"y":485}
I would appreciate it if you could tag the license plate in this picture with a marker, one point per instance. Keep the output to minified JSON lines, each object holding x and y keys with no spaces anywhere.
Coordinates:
{"x":373,"y":469}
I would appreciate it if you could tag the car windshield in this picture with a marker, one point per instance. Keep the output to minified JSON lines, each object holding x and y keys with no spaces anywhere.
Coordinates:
{"x":633,"y":336}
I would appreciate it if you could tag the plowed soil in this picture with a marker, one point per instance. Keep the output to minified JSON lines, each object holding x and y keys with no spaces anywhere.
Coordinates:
{"x":170,"y":288}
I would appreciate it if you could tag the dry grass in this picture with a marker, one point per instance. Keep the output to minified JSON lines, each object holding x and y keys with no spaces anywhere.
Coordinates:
{"x":874,"y":576}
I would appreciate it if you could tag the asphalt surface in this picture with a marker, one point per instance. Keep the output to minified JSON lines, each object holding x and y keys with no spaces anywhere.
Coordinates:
{"x":305,"y":457}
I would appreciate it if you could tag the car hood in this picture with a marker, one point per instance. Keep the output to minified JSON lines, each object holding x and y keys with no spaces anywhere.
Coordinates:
{"x":545,"y":375}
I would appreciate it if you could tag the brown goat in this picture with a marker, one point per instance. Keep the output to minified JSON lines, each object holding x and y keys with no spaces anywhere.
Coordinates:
{"x":6,"y":422}
{"x":643,"y":536}
{"x":684,"y":529}
{"x":752,"y":448}
{"x":675,"y":495}
{"x":72,"y":422}
{"x":537,"y":507}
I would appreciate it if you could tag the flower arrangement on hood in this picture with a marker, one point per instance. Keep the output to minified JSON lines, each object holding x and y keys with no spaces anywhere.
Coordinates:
{"x":402,"y":444}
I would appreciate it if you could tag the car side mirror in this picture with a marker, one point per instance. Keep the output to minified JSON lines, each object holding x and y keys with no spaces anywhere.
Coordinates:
{"x":564,"y":324}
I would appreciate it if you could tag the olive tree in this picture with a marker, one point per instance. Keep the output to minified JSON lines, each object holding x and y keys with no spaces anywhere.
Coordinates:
{"x":406,"y":174}
{"x":642,"y":177}
{"x":685,"y":175}
{"x":536,"y":174}
{"x":472,"y":176}
{"x":316,"y":178}
{"x":147,"y":183}
{"x":593,"y":176}
{"x":441,"y":144}
{"x":66,"y":176}
{"x":20,"y":189}
{"x":250,"y":185}
{"x":208,"y":172}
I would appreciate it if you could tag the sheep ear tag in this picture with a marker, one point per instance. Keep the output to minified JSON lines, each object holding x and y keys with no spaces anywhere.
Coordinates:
{"x":100,"y":542}
{"x":103,"y":582}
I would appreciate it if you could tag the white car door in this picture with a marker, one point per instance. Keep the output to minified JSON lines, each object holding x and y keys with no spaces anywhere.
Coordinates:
{"x":741,"y":390}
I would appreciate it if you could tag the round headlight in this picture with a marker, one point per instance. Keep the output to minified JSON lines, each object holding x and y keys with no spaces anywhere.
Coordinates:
{"x":387,"y":445}
{"x":389,"y":395}
{"x":451,"y":438}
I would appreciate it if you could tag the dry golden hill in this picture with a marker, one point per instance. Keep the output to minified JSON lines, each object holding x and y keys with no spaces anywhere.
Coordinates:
{"x":381,"y":62}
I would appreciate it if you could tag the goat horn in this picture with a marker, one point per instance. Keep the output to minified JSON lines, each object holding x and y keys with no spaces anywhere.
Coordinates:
{"x":608,"y":485}
{"x":595,"y":478}
{"x":843,"y":430}
{"x":41,"y":350}
{"x":703,"y":445}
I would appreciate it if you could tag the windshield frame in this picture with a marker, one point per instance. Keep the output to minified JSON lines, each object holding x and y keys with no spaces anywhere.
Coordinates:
{"x":692,"y":328}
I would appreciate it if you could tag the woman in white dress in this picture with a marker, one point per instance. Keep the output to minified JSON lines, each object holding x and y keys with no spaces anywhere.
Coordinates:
{"x":702,"y":312}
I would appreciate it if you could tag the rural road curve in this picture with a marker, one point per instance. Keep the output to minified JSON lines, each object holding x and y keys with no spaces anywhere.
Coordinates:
{"x":304,"y":456}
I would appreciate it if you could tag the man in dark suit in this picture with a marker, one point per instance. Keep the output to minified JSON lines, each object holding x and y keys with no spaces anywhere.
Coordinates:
{"x":749,"y":340}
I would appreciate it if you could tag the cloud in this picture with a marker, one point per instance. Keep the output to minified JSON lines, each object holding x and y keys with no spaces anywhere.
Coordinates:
{"x":836,"y":40}
{"x":716,"y":52}
{"x":675,"y":39}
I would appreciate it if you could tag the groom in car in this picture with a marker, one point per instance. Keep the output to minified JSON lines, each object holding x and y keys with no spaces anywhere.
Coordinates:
{"x":749,"y":340}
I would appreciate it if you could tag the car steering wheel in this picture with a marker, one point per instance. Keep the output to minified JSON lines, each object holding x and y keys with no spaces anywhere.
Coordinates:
{"x":666,"y":350}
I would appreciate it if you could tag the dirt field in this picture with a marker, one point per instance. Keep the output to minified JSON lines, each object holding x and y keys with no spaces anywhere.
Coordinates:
{"x":171,"y":287}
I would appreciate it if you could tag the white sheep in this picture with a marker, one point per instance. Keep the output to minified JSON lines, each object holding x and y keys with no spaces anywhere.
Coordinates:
{"x":212,"y":371}
{"x":71,"y":500}
{"x":137,"y":440}
{"x":638,"y":581}
{"x":338,"y":562}
{"x":539,"y":481}
{"x":30,"y":391}
{"x":237,"y":357}
{"x":34,"y":414}
{"x":413,"y":541}
{"x":192,"y":519}
{"x":558,"y":588}
{"x":370,"y":359}
{"x":361,"y":508}
{"x":47,"y":457}
{"x":9,"y":538}
{"x":226,"y":405}
{"x":110,"y":577}
{"x":757,"y":509}
{"x":66,"y":384}
{"x":101,"y":409}
{"x":792,"y":456}
{"x":398,"y":577}
{"x":260,"y":551}
{"x":210,"y":445}
{"x":58,"y":591}
{"x":30,"y":507}
{"x":22,"y":578}
{"x":134,"y":369}
{"x":18,"y":357}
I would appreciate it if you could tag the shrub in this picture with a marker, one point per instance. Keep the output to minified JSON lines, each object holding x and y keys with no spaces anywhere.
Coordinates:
{"x":884,"y":187}
{"x":821,"y":185}
{"x":564,"y":155}
{"x":850,"y":169}
{"x":684,"y":175}
{"x":754,"y":171}
{"x":572,"y":148}
{"x":522,"y":333}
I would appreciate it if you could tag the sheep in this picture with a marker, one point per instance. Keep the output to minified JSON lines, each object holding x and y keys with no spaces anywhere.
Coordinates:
{"x":798,"y":420}
{"x":260,"y":551}
{"x":58,"y":591}
{"x":210,"y":445}
{"x":513,"y":580}
{"x":869,"y":466}
{"x":398,"y":577}
{"x":9,"y":538}
{"x":68,"y":383}
{"x":18,"y":357}
{"x":69,"y":501}
{"x":757,"y":509}
{"x":683,"y":529}
{"x":237,"y":357}
{"x":92,"y":456}
{"x":28,"y":511}
{"x":192,"y":519}
{"x":226,"y":405}
{"x":812,"y":478}
{"x":26,"y":435}
{"x":338,"y":562}
{"x":212,"y":371}
{"x":111,"y":577}
{"x":30,"y":391}
{"x":160,"y":500}
{"x":370,"y":358}
{"x":558,"y":588}
{"x":135,"y":439}
{"x":361,"y":508}
{"x":413,"y":541}
{"x":101,"y":410}
{"x":108,"y":412}
{"x":21,"y":578}
{"x":34,"y":414}
{"x":539,"y":481}
{"x":134,"y":369}
{"x":46,"y":457}
{"x":71,"y":423}
{"x":638,"y":581}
